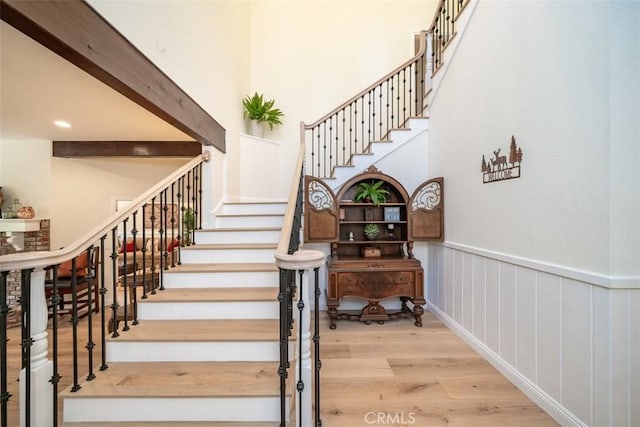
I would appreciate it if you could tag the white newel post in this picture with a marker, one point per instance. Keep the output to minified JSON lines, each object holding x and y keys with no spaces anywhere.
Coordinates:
{"x":206,"y":181}
{"x":41,"y":412}
{"x":307,"y":261}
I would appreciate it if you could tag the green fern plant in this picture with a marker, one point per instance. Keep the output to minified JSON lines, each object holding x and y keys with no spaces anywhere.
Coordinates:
{"x":258,"y":109}
{"x":371,"y":192}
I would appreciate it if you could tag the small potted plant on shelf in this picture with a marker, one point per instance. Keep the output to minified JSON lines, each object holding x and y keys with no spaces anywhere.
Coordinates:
{"x":371,"y":231}
{"x":371,"y":193}
{"x":260,"y":112}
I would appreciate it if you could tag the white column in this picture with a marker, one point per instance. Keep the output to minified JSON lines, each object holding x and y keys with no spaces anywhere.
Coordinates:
{"x":206,"y":180}
{"x":41,"y":368}
{"x":307,"y":261}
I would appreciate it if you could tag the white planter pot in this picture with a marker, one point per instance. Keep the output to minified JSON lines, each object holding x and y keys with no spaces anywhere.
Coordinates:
{"x":257,"y":129}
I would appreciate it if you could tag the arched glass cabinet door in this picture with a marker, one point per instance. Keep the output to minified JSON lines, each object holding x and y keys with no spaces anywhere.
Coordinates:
{"x":320,"y":212}
{"x":426,"y":211}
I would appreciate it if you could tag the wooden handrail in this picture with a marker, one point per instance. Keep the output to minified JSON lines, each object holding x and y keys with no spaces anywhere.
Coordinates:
{"x":423,"y":47}
{"x":285,"y":235}
{"x":43,"y":259}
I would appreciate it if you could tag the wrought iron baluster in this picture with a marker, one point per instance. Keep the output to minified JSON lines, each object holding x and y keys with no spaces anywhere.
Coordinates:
{"x":316,"y":342}
{"x":369,"y":118}
{"x":300,"y":384}
{"x":134,"y":285}
{"x":90,"y":278}
{"x":317,"y":128}
{"x":195,"y":208}
{"x":181,"y":217}
{"x":165,"y":221}
{"x":144,"y":253}
{"x":173,"y":224}
{"x":200,"y":196}
{"x":284,"y":328}
{"x":5,"y":396}
{"x":125,"y":273}
{"x":74,"y":322}
{"x":189,"y":202}
{"x":404,"y":95}
{"x":114,"y":265}
{"x":362,"y":142}
{"x":153,"y":241}
{"x":103,"y":293}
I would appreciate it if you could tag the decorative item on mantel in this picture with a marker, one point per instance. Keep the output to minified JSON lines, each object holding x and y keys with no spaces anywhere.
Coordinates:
{"x":26,"y":212}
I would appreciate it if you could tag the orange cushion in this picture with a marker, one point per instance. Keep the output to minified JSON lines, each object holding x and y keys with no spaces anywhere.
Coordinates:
{"x":65,"y":269}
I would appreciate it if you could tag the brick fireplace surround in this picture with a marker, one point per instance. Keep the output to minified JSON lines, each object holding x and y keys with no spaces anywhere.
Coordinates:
{"x":33,"y":241}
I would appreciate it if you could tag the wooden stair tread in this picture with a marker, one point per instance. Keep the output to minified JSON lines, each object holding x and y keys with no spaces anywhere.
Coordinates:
{"x":175,"y":424}
{"x":251,"y":229}
{"x":183,"y":379}
{"x":257,"y":202}
{"x":201,"y":331}
{"x":249,"y":214}
{"x":224,"y":267}
{"x":232,"y":246}
{"x":214,"y":294}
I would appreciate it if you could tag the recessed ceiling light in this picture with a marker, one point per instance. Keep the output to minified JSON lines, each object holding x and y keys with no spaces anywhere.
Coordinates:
{"x":62,"y":124}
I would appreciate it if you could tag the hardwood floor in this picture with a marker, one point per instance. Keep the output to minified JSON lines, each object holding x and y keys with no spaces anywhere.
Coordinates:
{"x":393,"y":374}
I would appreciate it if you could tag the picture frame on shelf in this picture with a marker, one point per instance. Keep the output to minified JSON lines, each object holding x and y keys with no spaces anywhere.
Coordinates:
{"x":392,"y":213}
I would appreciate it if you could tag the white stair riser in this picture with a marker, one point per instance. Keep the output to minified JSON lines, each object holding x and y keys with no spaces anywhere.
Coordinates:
{"x":221,"y":279}
{"x":239,"y":236}
{"x":248,"y":221}
{"x":253,"y":208}
{"x":207,"y":256}
{"x":172,"y":409}
{"x":168,"y":351}
{"x":208,"y":310}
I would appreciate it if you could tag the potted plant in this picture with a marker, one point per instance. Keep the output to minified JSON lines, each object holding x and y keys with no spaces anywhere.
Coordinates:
{"x":371,"y":193}
{"x":261,"y":111}
{"x":371,"y":231}
{"x":188,"y":224}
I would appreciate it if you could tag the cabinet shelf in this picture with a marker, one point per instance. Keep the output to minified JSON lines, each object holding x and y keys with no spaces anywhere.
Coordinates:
{"x":373,"y":222}
{"x":372,"y":242}
{"x":344,"y":203}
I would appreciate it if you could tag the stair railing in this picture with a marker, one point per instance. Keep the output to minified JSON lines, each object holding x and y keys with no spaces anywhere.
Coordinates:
{"x":443,"y":29}
{"x":297,"y":268}
{"x":368,"y":116}
{"x":387,"y":104}
{"x":164,"y":216}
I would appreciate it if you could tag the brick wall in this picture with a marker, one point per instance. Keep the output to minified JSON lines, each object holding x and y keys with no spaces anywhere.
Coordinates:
{"x":33,"y":241}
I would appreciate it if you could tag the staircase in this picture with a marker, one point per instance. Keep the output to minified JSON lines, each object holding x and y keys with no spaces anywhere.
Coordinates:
{"x":207,"y":347}
{"x":413,"y":128}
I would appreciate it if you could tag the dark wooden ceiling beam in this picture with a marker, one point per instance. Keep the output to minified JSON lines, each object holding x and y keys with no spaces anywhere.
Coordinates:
{"x":70,"y":149}
{"x":73,"y":30}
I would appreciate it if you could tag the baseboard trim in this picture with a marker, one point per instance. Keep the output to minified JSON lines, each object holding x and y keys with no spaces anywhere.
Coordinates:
{"x":609,"y":282}
{"x":552,"y":407}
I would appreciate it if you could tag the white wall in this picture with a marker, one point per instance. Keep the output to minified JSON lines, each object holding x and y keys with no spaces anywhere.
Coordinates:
{"x":83,"y":190}
{"x":312,"y":55}
{"x":203,"y":46}
{"x":542,"y":274}
{"x":25,"y":172}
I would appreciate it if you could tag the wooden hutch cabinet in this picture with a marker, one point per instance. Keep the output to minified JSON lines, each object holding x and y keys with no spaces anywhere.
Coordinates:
{"x":374,"y":268}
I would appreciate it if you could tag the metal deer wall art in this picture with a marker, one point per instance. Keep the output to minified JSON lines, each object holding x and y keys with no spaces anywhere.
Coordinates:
{"x":498,"y":168}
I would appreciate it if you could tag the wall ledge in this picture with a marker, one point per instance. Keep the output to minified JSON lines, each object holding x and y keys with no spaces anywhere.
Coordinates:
{"x":605,"y":281}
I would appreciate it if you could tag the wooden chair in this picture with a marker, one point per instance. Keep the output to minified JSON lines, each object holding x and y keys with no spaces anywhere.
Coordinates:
{"x":86,"y":284}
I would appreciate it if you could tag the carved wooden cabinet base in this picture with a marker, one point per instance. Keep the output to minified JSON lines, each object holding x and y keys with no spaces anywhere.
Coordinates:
{"x":374,"y":281}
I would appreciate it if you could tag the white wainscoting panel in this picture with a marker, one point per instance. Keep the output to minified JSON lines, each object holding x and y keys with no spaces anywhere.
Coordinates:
{"x":573,"y":346}
{"x":526,"y":315}
{"x":479,"y":300}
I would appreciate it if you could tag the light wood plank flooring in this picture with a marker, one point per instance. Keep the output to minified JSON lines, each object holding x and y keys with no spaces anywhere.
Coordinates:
{"x":393,"y":374}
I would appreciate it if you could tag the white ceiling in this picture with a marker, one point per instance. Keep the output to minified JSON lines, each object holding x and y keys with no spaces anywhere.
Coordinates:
{"x":37,"y":87}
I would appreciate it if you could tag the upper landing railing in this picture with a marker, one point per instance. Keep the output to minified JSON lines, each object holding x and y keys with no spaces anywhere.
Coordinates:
{"x":386,"y":104}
